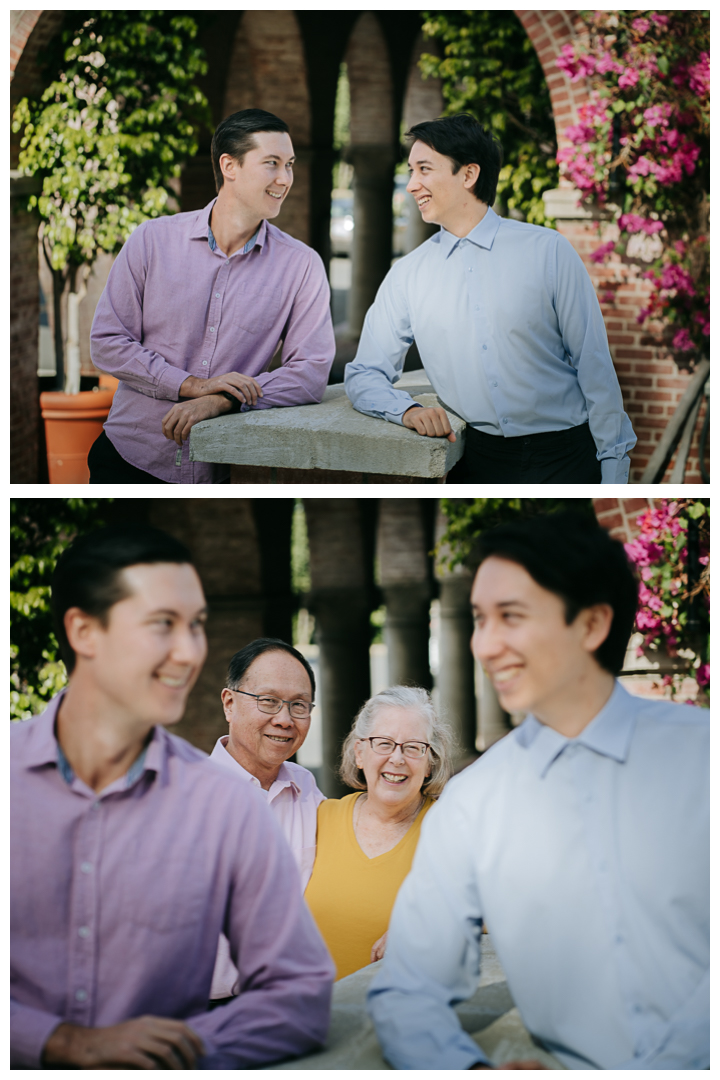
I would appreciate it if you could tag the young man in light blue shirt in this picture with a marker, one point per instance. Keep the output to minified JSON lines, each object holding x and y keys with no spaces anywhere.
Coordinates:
{"x":581,"y":838}
{"x":507,"y":324}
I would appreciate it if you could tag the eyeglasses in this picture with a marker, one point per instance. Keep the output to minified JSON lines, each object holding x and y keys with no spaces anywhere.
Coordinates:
{"x":299,"y":710}
{"x":386,"y":747}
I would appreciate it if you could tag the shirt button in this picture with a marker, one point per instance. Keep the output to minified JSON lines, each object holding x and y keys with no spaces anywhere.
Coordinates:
{"x":619,"y":939}
{"x":217,"y":295}
{"x":95,"y":805}
{"x":494,"y":384}
{"x":83,"y":931}
{"x":204,"y":363}
{"x":86,"y":867}
{"x":81,"y":995}
{"x":485,"y":347}
{"x":212,"y":329}
{"x":505,"y":419}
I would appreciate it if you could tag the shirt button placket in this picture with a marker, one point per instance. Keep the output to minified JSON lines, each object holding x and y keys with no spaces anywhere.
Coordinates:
{"x":84,"y":917}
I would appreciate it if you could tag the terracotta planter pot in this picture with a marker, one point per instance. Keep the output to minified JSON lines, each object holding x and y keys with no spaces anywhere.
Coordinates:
{"x":72,"y":424}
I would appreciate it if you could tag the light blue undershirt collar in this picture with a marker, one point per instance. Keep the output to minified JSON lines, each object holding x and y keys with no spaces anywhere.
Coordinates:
{"x":248,"y":247}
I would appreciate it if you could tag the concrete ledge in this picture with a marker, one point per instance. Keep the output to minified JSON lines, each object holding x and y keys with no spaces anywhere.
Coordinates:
{"x":330,"y":436}
{"x":489,"y":1016}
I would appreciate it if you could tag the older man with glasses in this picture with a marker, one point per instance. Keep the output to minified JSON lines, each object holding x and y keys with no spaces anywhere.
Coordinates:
{"x":268,"y":702}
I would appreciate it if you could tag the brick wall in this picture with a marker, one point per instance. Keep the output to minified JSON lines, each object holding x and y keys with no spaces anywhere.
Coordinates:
{"x":618,"y":516}
{"x":650,"y":381}
{"x":371,"y":92}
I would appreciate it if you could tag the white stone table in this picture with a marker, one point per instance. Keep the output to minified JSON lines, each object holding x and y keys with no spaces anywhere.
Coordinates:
{"x":329,"y":438}
{"x":489,"y":1016}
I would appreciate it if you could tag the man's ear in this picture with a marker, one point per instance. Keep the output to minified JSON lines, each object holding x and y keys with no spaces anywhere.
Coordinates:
{"x":81,"y":630}
{"x":227,"y":700}
{"x":471,"y":174}
{"x":228,"y":166}
{"x":596,"y":623}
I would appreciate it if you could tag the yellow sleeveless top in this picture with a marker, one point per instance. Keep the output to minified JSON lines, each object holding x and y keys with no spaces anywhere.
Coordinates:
{"x":351,"y":896}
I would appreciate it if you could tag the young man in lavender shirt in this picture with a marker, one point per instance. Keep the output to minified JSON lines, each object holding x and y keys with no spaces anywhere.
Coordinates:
{"x":195,"y":308}
{"x":132,"y":852}
{"x":268,"y":702}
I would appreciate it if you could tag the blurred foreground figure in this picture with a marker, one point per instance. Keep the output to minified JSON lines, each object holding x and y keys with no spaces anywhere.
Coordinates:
{"x":581,"y":838}
{"x":131,"y":851}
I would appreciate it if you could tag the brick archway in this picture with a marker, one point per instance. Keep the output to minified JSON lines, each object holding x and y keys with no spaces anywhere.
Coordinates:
{"x":268,"y":71}
{"x":650,"y":380}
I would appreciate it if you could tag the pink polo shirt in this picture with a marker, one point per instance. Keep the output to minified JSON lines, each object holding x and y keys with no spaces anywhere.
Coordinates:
{"x":293,"y":798}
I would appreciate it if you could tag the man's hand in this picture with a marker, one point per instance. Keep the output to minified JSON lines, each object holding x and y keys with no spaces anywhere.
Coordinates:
{"x":148,"y":1042}
{"x":378,"y":950}
{"x":243,"y":387}
{"x":429,"y":421}
{"x":178,"y":423}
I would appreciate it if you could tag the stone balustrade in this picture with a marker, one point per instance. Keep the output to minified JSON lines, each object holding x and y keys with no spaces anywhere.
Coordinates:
{"x":328,"y":443}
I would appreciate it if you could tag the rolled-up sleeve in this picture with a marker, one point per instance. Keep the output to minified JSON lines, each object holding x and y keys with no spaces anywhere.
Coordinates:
{"x":585,"y":340}
{"x":386,"y":337}
{"x":117,"y":328}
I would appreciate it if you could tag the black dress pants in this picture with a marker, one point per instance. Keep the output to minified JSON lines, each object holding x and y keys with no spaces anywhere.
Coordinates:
{"x":107,"y":466}
{"x":548,"y":457}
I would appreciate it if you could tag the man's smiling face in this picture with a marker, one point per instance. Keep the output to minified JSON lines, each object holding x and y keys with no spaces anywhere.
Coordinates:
{"x":440,"y":194}
{"x":521,"y":637}
{"x":261,"y":184}
{"x":258,"y":741}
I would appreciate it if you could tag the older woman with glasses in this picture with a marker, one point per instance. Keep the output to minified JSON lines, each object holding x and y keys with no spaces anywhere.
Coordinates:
{"x":398,"y":757}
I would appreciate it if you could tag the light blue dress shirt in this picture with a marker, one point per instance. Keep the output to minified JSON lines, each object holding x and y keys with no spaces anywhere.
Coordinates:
{"x":510,"y":332}
{"x":588,"y":858}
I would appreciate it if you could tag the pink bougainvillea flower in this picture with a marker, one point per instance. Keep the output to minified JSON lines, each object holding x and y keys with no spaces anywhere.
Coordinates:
{"x":702,"y":675}
{"x":641,"y":25}
{"x":601,"y":253}
{"x":629,"y":78}
{"x":682,"y":341}
{"x":699,"y":76}
{"x":659,"y":20}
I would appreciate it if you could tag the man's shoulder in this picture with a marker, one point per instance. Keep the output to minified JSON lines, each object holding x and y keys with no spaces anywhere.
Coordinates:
{"x":661,"y":715}
{"x":295,"y":247}
{"x":303,"y":778}
{"x":523,"y":231}
{"x":200,"y":770}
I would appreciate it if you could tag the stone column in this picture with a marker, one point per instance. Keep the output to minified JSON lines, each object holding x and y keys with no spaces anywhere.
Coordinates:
{"x":374,"y":171}
{"x":341,"y":599}
{"x":273,"y":521}
{"x":456,"y":676}
{"x":403,"y":544}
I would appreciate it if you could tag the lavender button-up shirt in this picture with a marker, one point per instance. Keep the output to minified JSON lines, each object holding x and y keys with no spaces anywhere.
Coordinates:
{"x":176,"y":305}
{"x":118,"y":900}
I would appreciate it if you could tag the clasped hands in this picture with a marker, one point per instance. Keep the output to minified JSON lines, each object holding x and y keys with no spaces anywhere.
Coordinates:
{"x":205,"y":400}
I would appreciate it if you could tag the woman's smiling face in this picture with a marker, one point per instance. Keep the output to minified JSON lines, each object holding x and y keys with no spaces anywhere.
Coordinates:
{"x":394,"y":779}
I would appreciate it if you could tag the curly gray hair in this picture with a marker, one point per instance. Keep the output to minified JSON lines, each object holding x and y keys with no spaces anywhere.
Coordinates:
{"x":439,"y":736}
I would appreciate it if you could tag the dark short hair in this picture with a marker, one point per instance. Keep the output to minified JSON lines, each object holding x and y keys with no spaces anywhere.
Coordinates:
{"x":88,"y":574}
{"x":573,"y":557}
{"x":236,"y":135}
{"x":242,"y":660}
{"x":465,"y":141}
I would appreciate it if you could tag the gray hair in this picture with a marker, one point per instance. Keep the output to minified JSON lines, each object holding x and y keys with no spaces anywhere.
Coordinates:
{"x":439,"y":736}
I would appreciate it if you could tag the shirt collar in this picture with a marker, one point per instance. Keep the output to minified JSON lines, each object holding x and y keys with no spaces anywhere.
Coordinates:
{"x":483,"y":235}
{"x":284,"y":777}
{"x":609,"y":733}
{"x":201,"y":228}
{"x":46,"y":750}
